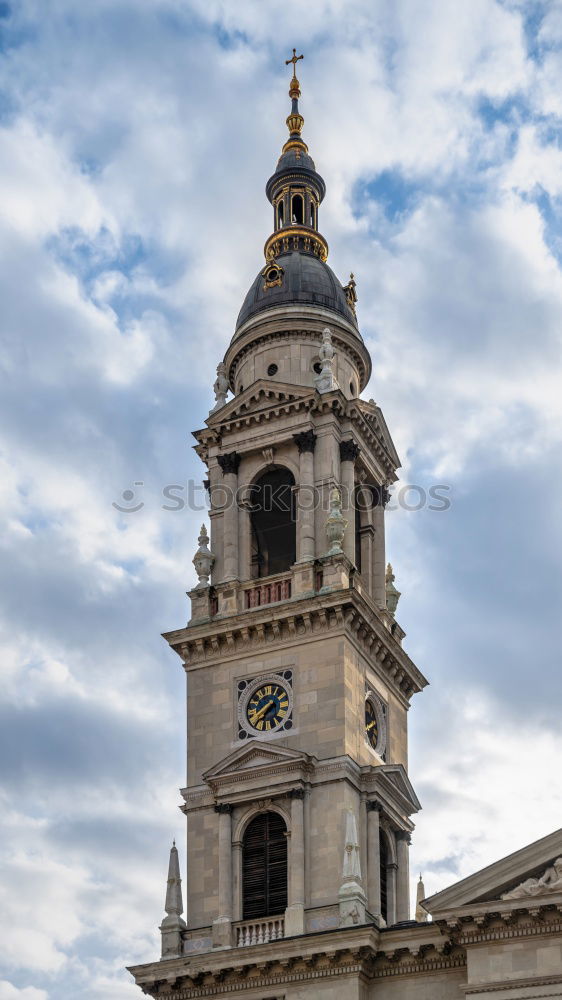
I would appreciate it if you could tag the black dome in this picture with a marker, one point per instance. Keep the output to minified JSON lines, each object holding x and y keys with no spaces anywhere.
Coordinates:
{"x":307,"y":280}
{"x":295,"y":158}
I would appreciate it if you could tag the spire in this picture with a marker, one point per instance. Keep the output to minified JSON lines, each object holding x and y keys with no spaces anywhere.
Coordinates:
{"x":174,"y":903}
{"x":173,"y":924}
{"x":421,"y":914}
{"x":295,"y":120}
{"x":295,"y":190}
{"x":352,"y":898}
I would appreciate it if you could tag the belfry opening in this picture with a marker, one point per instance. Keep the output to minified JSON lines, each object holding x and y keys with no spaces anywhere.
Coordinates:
{"x":273,"y":523}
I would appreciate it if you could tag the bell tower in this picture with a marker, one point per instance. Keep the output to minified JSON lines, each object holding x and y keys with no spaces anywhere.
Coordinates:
{"x":298,"y":803}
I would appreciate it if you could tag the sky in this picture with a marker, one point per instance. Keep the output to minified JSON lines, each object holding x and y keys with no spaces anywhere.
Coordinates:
{"x":136,"y":137}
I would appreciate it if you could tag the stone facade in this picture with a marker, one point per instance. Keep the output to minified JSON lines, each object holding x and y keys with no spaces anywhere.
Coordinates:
{"x":299,"y":686}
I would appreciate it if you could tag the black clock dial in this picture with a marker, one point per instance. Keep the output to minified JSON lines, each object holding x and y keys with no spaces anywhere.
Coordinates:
{"x":267,"y":707}
{"x":371,"y":725}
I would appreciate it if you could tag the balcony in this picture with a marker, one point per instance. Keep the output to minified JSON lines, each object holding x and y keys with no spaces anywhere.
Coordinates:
{"x":251,"y":932}
{"x":269,"y":591}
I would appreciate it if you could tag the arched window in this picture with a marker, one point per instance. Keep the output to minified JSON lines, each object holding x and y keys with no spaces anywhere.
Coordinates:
{"x":280,"y":213}
{"x":383,"y":850}
{"x":273,"y":522}
{"x":264,"y":867}
{"x":297,"y":209}
{"x":312,"y":219}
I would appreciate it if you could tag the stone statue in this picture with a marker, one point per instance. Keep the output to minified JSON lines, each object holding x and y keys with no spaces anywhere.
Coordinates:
{"x":220,"y":387}
{"x":550,"y":881}
{"x":326,"y":381}
{"x":335,"y":524}
{"x":203,"y":559}
{"x":392,"y":594}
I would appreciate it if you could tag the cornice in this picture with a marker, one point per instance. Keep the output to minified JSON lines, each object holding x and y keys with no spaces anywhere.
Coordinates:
{"x":298,"y":620}
{"x":519,"y":984}
{"x":306,"y":958}
{"x":282,"y":400}
{"x":368,"y":781}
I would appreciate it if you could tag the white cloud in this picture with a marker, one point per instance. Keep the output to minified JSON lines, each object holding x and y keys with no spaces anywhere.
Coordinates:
{"x":10,"y":992}
{"x":133,"y":218}
{"x":472,"y":778}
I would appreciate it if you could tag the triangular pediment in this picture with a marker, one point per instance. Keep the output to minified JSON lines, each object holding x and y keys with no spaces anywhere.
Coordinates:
{"x":393,"y":779}
{"x":528,"y":876}
{"x":262,"y":395}
{"x":373,"y":416}
{"x":254,"y":756}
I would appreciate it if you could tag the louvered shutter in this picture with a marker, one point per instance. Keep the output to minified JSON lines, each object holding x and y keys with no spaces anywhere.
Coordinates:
{"x":384,"y":880}
{"x":264,"y":867}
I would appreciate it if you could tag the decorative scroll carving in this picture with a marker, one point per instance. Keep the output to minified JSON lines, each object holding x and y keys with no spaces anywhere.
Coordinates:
{"x":229,"y":463}
{"x":305,"y":441}
{"x":349,"y":451}
{"x":550,"y":881}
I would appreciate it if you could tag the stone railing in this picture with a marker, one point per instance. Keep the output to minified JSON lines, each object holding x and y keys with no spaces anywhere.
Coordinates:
{"x":267,"y":592}
{"x":259,"y":931}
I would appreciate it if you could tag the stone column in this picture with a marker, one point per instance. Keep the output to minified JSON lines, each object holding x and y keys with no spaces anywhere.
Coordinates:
{"x":229,"y":464}
{"x":223,"y":923}
{"x":379,"y":560}
{"x":349,"y":452}
{"x":374,"y":860}
{"x":391,"y":869}
{"x":403,"y":876}
{"x":306,"y":443}
{"x":294,"y":914}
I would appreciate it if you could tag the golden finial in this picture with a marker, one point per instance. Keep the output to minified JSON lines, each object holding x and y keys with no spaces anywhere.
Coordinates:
{"x":294,"y":89}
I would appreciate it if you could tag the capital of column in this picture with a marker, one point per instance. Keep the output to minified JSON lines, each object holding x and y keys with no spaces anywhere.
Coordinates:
{"x":381,"y":495}
{"x":404,"y":836}
{"x":374,"y":807}
{"x":296,"y":793}
{"x":349,"y":451}
{"x":229,"y":463}
{"x":223,"y":807}
{"x":305,"y":441}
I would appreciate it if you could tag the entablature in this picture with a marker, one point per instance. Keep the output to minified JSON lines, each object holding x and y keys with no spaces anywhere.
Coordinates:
{"x":295,"y":621}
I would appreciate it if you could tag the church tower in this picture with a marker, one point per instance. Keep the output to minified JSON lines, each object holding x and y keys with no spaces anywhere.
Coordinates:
{"x":298,"y":803}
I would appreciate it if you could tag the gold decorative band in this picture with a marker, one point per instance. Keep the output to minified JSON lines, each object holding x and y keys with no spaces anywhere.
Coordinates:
{"x":296,"y":238}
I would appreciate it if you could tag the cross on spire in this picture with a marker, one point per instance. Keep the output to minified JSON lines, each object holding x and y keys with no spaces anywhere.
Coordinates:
{"x":294,"y":60}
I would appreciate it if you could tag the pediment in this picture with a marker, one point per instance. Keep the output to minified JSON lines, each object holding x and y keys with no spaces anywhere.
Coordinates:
{"x":532,"y":875}
{"x":262,"y":395}
{"x":254,"y":758}
{"x":394,"y":779}
{"x":373,"y":416}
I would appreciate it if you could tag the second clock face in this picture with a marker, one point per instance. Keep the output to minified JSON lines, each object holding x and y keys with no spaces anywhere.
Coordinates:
{"x":267,"y":707}
{"x":371,"y":725}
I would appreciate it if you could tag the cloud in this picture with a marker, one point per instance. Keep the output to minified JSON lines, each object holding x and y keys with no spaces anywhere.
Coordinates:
{"x":136,"y":143}
{"x":10,"y":992}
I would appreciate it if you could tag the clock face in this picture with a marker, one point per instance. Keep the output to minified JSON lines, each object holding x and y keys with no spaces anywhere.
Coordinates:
{"x":371,"y":725}
{"x":267,"y":707}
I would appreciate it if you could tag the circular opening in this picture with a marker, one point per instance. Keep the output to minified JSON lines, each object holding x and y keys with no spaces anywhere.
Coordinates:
{"x":317,"y":367}
{"x":272,"y":274}
{"x":272,"y":370}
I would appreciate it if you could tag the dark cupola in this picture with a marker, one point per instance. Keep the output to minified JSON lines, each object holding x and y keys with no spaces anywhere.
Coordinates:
{"x":296,"y":272}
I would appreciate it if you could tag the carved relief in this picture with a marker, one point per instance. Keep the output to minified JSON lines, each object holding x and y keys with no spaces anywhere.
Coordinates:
{"x":550,"y":881}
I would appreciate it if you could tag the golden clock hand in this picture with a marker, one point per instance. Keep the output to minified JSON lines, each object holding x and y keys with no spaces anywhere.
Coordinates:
{"x":263,"y":710}
{"x":371,"y":724}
